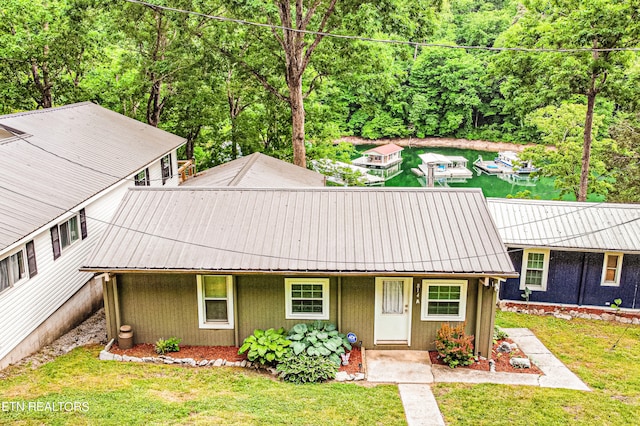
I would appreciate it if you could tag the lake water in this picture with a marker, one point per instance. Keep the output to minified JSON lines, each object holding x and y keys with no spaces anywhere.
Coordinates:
{"x":492,"y":186}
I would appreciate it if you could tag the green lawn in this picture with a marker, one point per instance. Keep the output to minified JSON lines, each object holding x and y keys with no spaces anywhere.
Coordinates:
{"x":585,"y":347}
{"x":124,"y":393}
{"x":127,"y":393}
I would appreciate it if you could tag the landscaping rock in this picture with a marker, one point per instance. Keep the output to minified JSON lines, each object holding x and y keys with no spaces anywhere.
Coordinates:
{"x":358,"y":377}
{"x":513,"y":346}
{"x":492,"y":366}
{"x":607,"y":317}
{"x":169,"y":361}
{"x":563,"y":316}
{"x":135,"y":359}
{"x":218,"y":363}
{"x":243,"y":363}
{"x":504,"y":348}
{"x":272,"y":370}
{"x":148,"y":359}
{"x":106,"y":356}
{"x":249,"y":364}
{"x":203,"y":363}
{"x":520,"y":363}
{"x":117,"y":357}
{"x":126,"y":358}
{"x":635,"y":321}
{"x":212,"y":363}
{"x":342,"y":376}
{"x":625,"y":320}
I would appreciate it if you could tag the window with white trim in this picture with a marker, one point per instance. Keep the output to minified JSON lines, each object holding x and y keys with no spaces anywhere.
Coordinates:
{"x":142,"y":178}
{"x":535,"y":269}
{"x":167,"y":168}
{"x":12,"y":269}
{"x":444,"y":300}
{"x":307,"y":298}
{"x":611,"y":269}
{"x":66,"y":233}
{"x":215,"y":301}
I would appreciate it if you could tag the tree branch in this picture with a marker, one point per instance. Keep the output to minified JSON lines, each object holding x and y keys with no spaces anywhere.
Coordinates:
{"x":319,"y":37}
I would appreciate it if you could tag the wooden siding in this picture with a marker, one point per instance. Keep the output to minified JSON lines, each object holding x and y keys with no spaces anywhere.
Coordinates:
{"x":260,"y":303}
{"x":165,"y":305}
{"x":575,"y":279}
{"x":28,"y":304}
{"x":484,"y":340}
{"x":358,"y":303}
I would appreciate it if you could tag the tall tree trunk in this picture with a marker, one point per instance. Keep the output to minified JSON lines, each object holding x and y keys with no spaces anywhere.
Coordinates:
{"x":586,"y":147}
{"x":296,"y":101}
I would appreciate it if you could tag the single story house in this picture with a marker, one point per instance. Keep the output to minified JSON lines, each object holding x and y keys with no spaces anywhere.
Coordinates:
{"x":210,"y":265}
{"x":63,"y":172}
{"x":571,"y":253}
{"x":257,"y":170}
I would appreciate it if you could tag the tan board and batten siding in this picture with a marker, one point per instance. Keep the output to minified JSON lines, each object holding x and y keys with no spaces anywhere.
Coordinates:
{"x":160,"y":240}
{"x":53,"y":163}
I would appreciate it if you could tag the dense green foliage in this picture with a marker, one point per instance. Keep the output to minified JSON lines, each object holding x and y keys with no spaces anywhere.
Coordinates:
{"x":171,"y":344}
{"x":303,"y":368}
{"x":454,"y":346}
{"x":225,"y":87}
{"x":318,"y":339}
{"x":267,"y":347}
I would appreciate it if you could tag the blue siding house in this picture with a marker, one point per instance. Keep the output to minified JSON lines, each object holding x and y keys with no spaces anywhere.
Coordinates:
{"x":585,"y":254}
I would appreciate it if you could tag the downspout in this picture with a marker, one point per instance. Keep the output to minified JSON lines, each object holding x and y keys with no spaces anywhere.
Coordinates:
{"x":339,"y":303}
{"x":116,"y":303}
{"x":478,"y":312}
{"x":583,"y":277}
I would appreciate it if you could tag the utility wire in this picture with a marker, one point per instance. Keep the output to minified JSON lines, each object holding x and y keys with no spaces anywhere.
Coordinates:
{"x":268,"y":256}
{"x":389,"y":41}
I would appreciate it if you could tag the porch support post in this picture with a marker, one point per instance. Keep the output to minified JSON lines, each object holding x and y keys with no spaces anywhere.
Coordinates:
{"x":339,"y":319}
{"x":478,"y":313}
{"x":236,"y":332}
{"x":116,"y":304}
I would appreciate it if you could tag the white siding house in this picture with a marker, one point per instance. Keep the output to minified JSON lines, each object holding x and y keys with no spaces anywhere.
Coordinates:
{"x":63,"y":172}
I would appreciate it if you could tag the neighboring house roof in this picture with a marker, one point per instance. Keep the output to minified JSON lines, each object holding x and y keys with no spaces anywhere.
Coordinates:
{"x":385,"y":149}
{"x":53,"y":159}
{"x":567,"y":224}
{"x":303,"y":231}
{"x":257,"y":171}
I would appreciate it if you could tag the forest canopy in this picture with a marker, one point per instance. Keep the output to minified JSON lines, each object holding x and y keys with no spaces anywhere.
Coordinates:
{"x":288,"y":88}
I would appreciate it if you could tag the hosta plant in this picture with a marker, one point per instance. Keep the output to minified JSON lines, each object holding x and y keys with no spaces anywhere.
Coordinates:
{"x":318,"y":339}
{"x":303,"y":368}
{"x":266,"y":347}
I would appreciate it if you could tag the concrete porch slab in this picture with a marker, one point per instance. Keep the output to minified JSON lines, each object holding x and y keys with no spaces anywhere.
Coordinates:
{"x":398,"y":366}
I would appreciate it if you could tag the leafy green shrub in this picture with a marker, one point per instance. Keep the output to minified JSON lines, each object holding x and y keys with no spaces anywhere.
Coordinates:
{"x":303,"y":368}
{"x":266,"y":346}
{"x":499,"y":334}
{"x":454,"y":346}
{"x":170,"y":345}
{"x":318,"y":339}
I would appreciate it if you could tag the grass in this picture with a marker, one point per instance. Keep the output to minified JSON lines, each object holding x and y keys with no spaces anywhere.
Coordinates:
{"x":127,"y":393}
{"x":582,"y":345}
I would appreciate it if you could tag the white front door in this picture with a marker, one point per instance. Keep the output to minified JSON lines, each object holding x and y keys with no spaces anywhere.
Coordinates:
{"x":393,"y":311}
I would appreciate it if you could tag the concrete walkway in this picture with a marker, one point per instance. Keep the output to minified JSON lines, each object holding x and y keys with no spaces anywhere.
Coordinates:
{"x":413,"y":372}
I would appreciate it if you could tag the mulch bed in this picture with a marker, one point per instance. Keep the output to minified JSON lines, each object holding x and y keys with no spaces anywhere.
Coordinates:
{"x":502,"y":361}
{"x":229,"y":353}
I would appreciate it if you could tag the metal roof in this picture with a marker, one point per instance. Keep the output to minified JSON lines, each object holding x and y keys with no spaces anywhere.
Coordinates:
{"x":303,"y":230}
{"x":59,"y":157}
{"x":257,"y":171}
{"x":385,"y":149}
{"x":568,"y":225}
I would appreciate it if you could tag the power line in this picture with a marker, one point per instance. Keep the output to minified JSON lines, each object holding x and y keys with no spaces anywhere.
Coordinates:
{"x":388,"y":41}
{"x":268,"y":256}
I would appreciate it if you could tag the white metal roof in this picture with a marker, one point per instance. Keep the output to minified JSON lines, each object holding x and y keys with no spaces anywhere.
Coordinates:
{"x":63,"y":156}
{"x":257,"y":171}
{"x":303,"y":230}
{"x":568,"y":225}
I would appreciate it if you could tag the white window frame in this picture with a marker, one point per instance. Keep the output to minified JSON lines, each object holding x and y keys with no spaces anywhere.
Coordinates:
{"x":142,"y":178}
{"x":616,"y":282}
{"x":23,"y":275}
{"x":67,"y":222}
{"x":424,"y":311}
{"x":202,"y":314}
{"x":545,"y":269}
{"x":289,"y":314}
